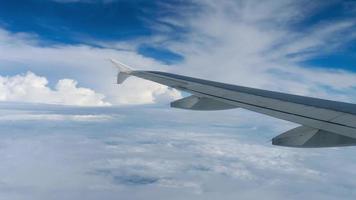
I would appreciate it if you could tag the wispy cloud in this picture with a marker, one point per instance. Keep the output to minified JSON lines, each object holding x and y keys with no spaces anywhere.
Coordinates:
{"x":262,"y":44}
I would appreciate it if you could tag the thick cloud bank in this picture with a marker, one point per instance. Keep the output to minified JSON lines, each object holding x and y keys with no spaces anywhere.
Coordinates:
{"x":149,"y":153}
{"x":32,"y":88}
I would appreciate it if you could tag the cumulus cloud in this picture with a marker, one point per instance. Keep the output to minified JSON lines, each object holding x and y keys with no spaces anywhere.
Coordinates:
{"x":32,"y":88}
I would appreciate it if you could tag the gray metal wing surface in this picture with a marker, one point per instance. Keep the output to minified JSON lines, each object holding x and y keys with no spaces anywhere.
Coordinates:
{"x":324,"y":123}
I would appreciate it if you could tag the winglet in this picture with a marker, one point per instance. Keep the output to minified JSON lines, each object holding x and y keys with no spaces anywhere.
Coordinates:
{"x":121,"y":66}
{"x":124,"y":71}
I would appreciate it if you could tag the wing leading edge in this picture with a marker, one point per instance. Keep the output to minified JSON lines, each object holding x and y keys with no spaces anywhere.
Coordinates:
{"x":325,"y":123}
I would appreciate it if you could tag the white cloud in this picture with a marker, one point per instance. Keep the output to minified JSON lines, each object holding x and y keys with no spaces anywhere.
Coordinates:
{"x":138,"y":91}
{"x":32,"y":88}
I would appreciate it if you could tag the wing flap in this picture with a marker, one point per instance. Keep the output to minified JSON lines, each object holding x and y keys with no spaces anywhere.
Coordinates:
{"x":307,"y":137}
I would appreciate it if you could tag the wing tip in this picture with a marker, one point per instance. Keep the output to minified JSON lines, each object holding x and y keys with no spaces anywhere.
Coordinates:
{"x":121,"y":66}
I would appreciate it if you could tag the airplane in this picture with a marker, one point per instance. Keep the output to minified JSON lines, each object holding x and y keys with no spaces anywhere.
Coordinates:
{"x":323,"y":123}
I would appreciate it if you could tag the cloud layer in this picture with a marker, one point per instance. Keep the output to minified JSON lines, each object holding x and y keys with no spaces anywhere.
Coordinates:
{"x":154,"y":153}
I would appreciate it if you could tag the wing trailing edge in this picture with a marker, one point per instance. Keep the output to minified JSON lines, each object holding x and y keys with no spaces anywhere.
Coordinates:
{"x":200,"y":103}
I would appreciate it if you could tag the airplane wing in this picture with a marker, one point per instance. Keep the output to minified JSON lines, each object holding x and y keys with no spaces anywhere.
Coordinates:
{"x":324,"y":123}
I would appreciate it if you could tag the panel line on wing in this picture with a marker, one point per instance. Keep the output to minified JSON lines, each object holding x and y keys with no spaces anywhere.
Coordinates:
{"x":272,"y":109}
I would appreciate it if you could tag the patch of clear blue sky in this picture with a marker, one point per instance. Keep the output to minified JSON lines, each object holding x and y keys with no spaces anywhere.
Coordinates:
{"x":330,"y":12}
{"x":343,"y":60}
{"x":63,"y":22}
{"x":80,"y":22}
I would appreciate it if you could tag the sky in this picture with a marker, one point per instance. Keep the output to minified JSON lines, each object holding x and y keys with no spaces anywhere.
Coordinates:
{"x":68,"y":131}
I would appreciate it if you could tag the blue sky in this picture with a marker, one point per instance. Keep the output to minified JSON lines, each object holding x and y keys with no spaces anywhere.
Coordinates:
{"x":62,"y":22}
{"x":68,"y":131}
